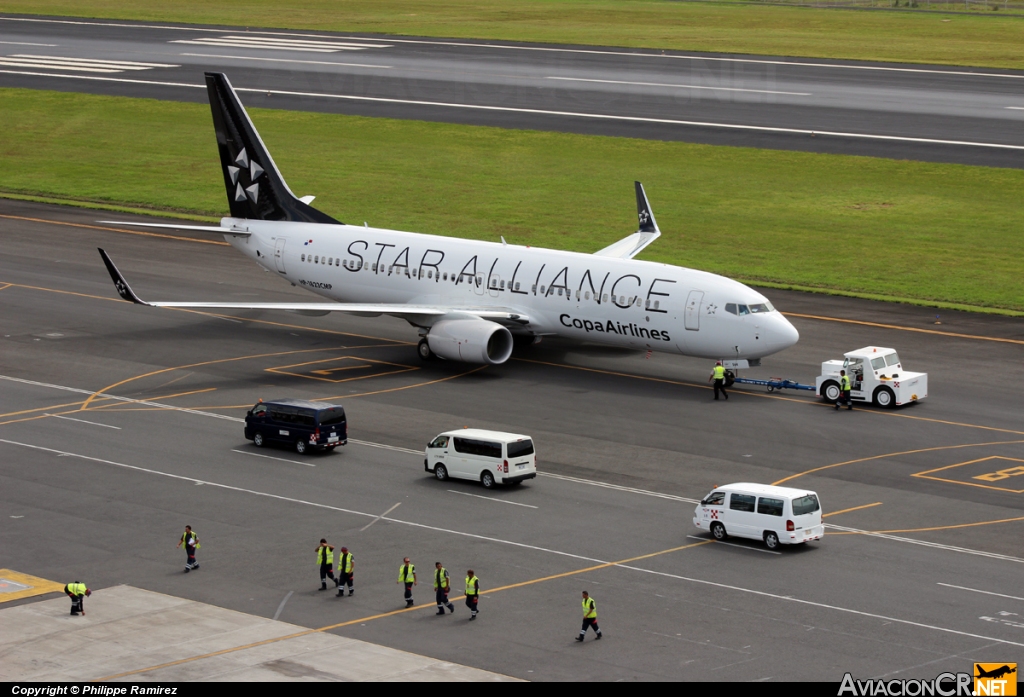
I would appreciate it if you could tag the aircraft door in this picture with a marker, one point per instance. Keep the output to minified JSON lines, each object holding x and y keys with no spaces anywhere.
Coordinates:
{"x":279,"y":254}
{"x":691,"y":317}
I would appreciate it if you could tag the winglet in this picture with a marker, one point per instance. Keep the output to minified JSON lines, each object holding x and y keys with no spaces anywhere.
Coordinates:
{"x":643,"y":211}
{"x":123,"y":289}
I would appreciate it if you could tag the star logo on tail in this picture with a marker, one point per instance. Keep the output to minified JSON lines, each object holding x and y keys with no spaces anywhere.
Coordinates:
{"x":252,"y":171}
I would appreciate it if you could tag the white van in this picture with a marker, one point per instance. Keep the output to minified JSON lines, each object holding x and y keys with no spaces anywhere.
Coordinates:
{"x":489,"y":457}
{"x":775,"y":514}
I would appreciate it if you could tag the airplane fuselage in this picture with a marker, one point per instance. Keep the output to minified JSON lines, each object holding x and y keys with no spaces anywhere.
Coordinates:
{"x":584,"y":297}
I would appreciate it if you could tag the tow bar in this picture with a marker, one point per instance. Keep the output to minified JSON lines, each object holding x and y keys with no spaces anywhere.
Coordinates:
{"x":734,"y":366}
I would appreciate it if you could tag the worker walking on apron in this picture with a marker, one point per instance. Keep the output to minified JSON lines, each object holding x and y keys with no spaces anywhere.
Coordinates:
{"x":589,"y":617}
{"x":718,"y":375}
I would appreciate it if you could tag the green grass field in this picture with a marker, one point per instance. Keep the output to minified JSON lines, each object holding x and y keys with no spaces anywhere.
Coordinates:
{"x":991,"y":41}
{"x":883,"y":228}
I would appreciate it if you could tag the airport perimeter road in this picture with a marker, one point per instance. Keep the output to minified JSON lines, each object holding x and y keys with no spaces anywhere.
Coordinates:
{"x":934,"y":113}
{"x":119,"y":424}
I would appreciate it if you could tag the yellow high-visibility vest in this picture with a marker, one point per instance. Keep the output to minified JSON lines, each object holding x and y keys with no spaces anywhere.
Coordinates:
{"x":472,"y":586}
{"x":345,"y":563}
{"x":407,"y":573}
{"x":441,"y":578}
{"x":324,"y":555}
{"x":589,"y":609}
{"x":719,"y":373}
{"x":77,"y":588}
{"x":845,"y":380}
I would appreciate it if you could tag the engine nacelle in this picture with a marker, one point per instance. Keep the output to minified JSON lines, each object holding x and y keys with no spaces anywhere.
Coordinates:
{"x":470,"y":341}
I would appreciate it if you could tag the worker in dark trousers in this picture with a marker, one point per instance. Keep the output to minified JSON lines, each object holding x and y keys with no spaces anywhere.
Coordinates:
{"x":346,"y":567}
{"x":718,"y":375}
{"x":77,"y":591}
{"x":442,"y":585}
{"x":407,"y":577}
{"x":844,"y":385}
{"x":191,"y":542}
{"x":589,"y":617}
{"x":472,"y":593}
{"x":325,"y":560}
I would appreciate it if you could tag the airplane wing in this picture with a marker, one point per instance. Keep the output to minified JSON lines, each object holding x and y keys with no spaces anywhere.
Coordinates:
{"x":198,"y":228}
{"x":417,"y":314}
{"x":629,"y":247}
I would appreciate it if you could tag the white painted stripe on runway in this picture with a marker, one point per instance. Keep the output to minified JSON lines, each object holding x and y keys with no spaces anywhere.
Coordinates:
{"x":83,"y":421}
{"x":548,"y":112}
{"x":715,"y":584}
{"x":617,"y":487}
{"x":49,"y":66}
{"x":25,"y":43}
{"x":98,"y":61}
{"x":733,"y":544}
{"x":270,"y":457}
{"x":386,"y":447}
{"x":1018,"y":108}
{"x":669,"y":84}
{"x":461,"y":44}
{"x":837,"y":608}
{"x":923,"y":543}
{"x":489,"y":498}
{"x":246,"y":44}
{"x":286,"y":60}
{"x":975,"y":590}
{"x":306,"y":42}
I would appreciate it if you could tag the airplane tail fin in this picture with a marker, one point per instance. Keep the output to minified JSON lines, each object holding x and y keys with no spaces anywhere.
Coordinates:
{"x":643,"y":211}
{"x":256,"y":190}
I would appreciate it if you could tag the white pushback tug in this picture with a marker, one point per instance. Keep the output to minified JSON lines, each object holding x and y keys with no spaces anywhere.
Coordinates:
{"x":876,"y":376}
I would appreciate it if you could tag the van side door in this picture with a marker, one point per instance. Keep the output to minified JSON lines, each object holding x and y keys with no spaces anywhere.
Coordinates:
{"x":741,"y":520}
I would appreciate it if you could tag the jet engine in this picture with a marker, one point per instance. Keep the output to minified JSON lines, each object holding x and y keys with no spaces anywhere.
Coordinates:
{"x":470,"y":341}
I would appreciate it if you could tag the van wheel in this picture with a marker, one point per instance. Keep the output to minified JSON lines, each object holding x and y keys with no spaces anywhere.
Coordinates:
{"x":300,"y":447}
{"x":441,"y":472}
{"x":718,"y":531}
{"x":884,"y":397}
{"x":257,"y":440}
{"x":487,"y":479}
{"x":423,"y":348}
{"x":830,"y":392}
{"x":771,"y":540}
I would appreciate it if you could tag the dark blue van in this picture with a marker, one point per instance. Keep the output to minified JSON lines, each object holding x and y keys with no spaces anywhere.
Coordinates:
{"x":297,"y":423}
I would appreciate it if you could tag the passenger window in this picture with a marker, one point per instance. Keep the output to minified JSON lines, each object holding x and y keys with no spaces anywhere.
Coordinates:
{"x":656,"y":304}
{"x":330,"y":261}
{"x":478,"y":447}
{"x":501,"y":286}
{"x":446,"y":275}
{"x":375,"y":268}
{"x":741,"y":502}
{"x":430,"y":274}
{"x":587,"y":295}
{"x":366,"y":266}
{"x":559,"y":291}
{"x":715,"y":498}
{"x":604,"y":298}
{"x":731,"y":308}
{"x":439,"y":442}
{"x":613,"y":297}
{"x":542,"y":290}
{"x":303,"y":257}
{"x":316,"y":259}
{"x":517,"y":286}
{"x":770,"y":506}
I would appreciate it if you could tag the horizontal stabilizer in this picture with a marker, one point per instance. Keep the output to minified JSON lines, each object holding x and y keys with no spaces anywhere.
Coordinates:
{"x":194,"y":228}
{"x":629,"y":247}
{"x":419,"y":314}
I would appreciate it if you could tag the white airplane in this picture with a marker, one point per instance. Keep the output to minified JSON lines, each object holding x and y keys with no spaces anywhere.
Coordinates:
{"x":468,"y":298}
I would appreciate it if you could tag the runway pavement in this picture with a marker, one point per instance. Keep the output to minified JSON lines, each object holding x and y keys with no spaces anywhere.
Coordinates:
{"x":120,"y":424}
{"x":932,"y":113}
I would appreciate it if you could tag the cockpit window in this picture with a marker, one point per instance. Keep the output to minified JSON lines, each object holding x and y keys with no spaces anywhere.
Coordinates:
{"x":730,"y":308}
{"x":760,"y":307}
{"x":892,"y":359}
{"x":744,"y":310}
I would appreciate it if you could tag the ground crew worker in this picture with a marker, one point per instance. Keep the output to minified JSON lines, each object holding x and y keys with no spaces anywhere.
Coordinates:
{"x":718,"y":375}
{"x":325,"y":560}
{"x":191,"y":542}
{"x":77,"y":591}
{"x":345,"y":568}
{"x":407,"y":576}
{"x":442,"y":585}
{"x":844,"y":385}
{"x":589,"y":617}
{"x":472,"y":593}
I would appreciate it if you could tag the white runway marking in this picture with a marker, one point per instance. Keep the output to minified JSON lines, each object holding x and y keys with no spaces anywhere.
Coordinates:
{"x":26,"y":43}
{"x":733,"y":544}
{"x":88,"y":65}
{"x":83,"y":421}
{"x":668,"y":84}
{"x":975,"y":590}
{"x":264,"y":42}
{"x":270,"y":457}
{"x":364,"y":528}
{"x":465,"y":44}
{"x":285,"y":60}
{"x":740,"y":589}
{"x":552,"y":112}
{"x":488,"y":498}
{"x":281,"y":606}
{"x":1018,"y":108}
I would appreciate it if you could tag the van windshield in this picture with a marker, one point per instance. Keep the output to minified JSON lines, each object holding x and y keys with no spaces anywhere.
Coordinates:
{"x":332,"y":416}
{"x":521,"y":448}
{"x":805,"y":504}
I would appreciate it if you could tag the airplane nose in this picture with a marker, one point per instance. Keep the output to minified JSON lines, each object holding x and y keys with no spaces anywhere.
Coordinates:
{"x":783,"y":334}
